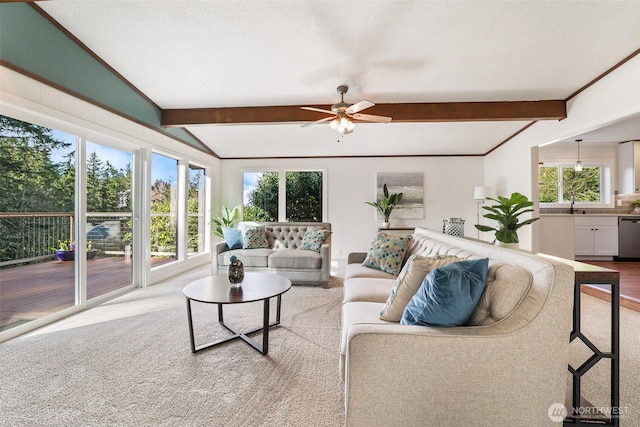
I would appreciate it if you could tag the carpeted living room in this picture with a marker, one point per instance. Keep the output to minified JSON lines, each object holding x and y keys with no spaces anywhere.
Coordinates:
{"x":162,"y":158}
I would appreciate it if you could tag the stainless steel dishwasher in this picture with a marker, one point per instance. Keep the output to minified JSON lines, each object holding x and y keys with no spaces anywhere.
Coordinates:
{"x":629,"y":237}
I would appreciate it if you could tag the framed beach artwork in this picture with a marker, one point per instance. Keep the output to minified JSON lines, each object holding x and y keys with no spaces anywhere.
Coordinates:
{"x":411,"y":185}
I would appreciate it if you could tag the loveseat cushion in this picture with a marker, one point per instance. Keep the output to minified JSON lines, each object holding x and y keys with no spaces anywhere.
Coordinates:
{"x":313,"y":239}
{"x":387,"y":252}
{"x":448,"y":295}
{"x":295,"y":258}
{"x":254,"y":237}
{"x":408,"y":282}
{"x":232,"y":237}
{"x":248,"y":257}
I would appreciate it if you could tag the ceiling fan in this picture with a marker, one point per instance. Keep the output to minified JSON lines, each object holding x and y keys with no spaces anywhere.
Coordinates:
{"x":343,"y":114}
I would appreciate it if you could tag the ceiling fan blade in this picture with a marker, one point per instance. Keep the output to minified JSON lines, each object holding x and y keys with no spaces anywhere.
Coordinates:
{"x":371,"y":118}
{"x":359,"y":106}
{"x":319,"y":110}
{"x":326,"y":119}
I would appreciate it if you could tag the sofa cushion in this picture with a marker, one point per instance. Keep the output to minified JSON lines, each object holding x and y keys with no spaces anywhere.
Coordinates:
{"x":249,"y":257}
{"x":387,"y":252}
{"x":254,"y":238}
{"x":408,"y":282}
{"x":232,"y":237}
{"x":359,"y":312}
{"x":295,"y":258}
{"x":366,"y":289}
{"x":313,"y":239}
{"x":448,"y":295}
{"x":359,"y":270}
{"x":506,"y":286}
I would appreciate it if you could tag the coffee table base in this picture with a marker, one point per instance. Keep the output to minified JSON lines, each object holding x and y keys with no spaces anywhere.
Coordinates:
{"x":264,"y":348}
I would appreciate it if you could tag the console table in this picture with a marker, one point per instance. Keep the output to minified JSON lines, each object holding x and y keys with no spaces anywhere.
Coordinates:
{"x":580,"y":413}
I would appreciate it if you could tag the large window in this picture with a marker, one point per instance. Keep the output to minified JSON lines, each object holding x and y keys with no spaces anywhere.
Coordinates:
{"x":37,"y":217}
{"x":284,"y":196}
{"x":196,"y":210}
{"x":559,"y":183}
{"x":109,"y":238}
{"x":164,"y":208}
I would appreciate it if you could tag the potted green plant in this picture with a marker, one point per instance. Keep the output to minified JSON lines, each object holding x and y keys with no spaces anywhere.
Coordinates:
{"x":506,"y":213}
{"x":636,"y":206}
{"x":229,"y":218}
{"x":66,"y":250}
{"x":386,"y":204}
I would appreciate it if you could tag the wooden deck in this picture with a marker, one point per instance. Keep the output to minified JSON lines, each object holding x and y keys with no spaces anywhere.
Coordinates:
{"x":33,"y":291}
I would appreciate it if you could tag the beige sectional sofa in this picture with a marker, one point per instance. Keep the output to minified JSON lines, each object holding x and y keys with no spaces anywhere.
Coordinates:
{"x":282,"y":253}
{"x":506,"y":367}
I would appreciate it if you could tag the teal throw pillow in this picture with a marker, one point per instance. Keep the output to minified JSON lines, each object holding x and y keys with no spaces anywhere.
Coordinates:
{"x":448,"y":295}
{"x":233,"y":237}
{"x":313,"y":238}
{"x":254,"y":238}
{"x":387,"y":252}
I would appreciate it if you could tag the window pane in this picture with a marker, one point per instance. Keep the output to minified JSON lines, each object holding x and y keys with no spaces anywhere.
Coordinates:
{"x":37,"y":199}
{"x":304,"y":196}
{"x":195,"y":207}
{"x":260,"y":196}
{"x":584,"y":186}
{"x":548,"y":182}
{"x":164,"y":208}
{"x":109,"y":219}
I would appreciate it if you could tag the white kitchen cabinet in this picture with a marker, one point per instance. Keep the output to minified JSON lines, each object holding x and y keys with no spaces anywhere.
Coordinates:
{"x":629,"y":167}
{"x":596,"y":236}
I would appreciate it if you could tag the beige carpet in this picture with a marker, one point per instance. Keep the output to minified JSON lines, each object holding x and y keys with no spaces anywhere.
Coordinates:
{"x":128,"y":363}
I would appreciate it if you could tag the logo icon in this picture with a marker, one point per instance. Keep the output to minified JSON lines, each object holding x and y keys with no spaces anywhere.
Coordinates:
{"x":557,"y":412}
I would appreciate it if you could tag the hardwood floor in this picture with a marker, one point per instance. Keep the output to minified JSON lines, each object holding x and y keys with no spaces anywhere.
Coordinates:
{"x":629,"y":283}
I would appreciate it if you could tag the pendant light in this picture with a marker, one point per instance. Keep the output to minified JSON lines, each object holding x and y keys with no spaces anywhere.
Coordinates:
{"x":578,"y":166}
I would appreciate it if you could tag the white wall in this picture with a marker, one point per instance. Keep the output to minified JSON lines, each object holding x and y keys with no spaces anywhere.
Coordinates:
{"x":448,"y":192}
{"x":512,"y":167}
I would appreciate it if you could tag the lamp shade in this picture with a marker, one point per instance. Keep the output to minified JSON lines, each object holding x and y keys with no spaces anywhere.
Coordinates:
{"x":479,"y":193}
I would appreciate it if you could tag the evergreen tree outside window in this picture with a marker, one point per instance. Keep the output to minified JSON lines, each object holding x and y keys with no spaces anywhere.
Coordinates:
{"x":559,"y":182}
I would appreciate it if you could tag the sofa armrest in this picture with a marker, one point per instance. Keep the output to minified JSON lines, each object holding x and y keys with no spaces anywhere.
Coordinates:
{"x":217,"y":249}
{"x":356,"y":257}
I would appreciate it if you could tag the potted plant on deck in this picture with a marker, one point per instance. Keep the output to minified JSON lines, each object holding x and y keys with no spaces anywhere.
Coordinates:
{"x":506,"y":213}
{"x":386,"y":204}
{"x":66,"y":250}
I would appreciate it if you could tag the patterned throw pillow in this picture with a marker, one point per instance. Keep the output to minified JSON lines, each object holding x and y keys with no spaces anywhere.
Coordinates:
{"x":387,"y":252}
{"x":409,"y":281}
{"x":313,"y":239}
{"x":232,"y":237}
{"x":448,"y":295}
{"x":254,"y":238}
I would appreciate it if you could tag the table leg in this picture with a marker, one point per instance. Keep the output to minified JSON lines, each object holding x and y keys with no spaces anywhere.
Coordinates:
{"x":265,"y":327}
{"x":189,"y":318}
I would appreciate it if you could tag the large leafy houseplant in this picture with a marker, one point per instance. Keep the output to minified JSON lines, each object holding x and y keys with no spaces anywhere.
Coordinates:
{"x":506,"y":213}
{"x":229,"y":218}
{"x":387,"y":202}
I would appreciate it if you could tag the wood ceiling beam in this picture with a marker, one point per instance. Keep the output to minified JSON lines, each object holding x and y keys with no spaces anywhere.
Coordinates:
{"x":400,"y":113}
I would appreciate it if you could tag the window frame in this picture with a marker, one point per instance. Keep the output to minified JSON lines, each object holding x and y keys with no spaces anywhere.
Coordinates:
{"x":282,"y":190}
{"x":606,"y":183}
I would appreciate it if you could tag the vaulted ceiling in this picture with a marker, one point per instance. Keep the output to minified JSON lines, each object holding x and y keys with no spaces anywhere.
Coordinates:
{"x":201,"y":60}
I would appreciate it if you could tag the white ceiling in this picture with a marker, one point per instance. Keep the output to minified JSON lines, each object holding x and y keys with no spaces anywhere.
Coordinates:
{"x":190,"y":54}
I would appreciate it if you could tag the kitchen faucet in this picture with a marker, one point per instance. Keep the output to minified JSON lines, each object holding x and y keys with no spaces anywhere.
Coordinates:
{"x":572,"y":202}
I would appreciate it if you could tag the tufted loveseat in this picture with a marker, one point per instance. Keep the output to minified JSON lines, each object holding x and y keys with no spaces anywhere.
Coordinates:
{"x":505,"y":367}
{"x":283,"y":255}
